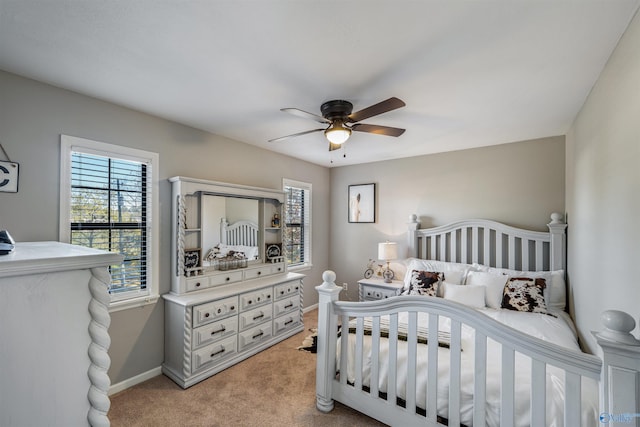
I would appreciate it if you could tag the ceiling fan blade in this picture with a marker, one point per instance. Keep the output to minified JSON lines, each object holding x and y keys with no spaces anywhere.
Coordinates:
{"x":379,"y":108}
{"x":378,"y":130}
{"x":305,"y":115}
{"x":294,"y":135}
{"x":334,"y":146}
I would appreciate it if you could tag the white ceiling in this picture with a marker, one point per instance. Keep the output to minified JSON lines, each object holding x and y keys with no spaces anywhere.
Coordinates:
{"x":472,"y":73}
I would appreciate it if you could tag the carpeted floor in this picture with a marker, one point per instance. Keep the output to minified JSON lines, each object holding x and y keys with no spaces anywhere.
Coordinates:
{"x":273,"y":388}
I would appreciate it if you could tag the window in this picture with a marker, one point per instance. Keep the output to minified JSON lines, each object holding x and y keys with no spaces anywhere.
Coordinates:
{"x":297,"y":223}
{"x":109,"y":202}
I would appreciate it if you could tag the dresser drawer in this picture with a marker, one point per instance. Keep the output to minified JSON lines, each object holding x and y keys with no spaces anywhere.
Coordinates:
{"x":256,"y":298}
{"x":286,"y":305}
{"x":286,"y":322}
{"x":255,"y":317}
{"x":214,"y":353}
{"x":254,"y":336}
{"x":195,"y":283}
{"x":225,"y":277}
{"x":215,"y":310}
{"x":214,"y":331}
{"x":286,"y":289}
{"x":277,"y":267}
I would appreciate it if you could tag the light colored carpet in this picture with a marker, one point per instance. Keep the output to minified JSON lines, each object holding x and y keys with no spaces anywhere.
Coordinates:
{"x":276,"y":387}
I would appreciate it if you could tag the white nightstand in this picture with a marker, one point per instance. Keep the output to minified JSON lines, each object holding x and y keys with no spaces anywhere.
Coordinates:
{"x":375,"y":289}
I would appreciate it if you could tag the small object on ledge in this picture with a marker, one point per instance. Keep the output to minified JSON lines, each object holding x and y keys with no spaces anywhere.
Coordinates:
{"x":7,"y":244}
{"x":275,"y":221}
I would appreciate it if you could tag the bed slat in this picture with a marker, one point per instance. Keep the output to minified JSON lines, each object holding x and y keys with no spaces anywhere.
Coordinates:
{"x":480,"y":380}
{"x":344,"y":350}
{"x":538,"y":393}
{"x":454,"y":374}
{"x":393,"y":365}
{"x":525,"y":254}
{"x":507,"y":387}
{"x":432,"y":368}
{"x":375,"y":356}
{"x":572,"y":397}
{"x":412,"y":356}
{"x":358,"y":355}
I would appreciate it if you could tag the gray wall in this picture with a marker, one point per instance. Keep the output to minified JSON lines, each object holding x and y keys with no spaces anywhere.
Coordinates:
{"x":32,"y":117}
{"x":603,"y":192}
{"x":520,"y":184}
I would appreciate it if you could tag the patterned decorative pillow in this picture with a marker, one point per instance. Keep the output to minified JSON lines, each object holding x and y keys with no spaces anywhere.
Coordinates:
{"x":525,"y":294}
{"x":424,"y":283}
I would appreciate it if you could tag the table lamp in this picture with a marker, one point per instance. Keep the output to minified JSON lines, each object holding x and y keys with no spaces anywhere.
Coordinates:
{"x":386,"y":252}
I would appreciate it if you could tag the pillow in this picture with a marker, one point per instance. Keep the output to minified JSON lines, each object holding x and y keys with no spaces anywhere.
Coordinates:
{"x":525,"y":294}
{"x":423,"y":283}
{"x":453,"y":272}
{"x":555,"y":293}
{"x":493,"y":283}
{"x":473,"y":296}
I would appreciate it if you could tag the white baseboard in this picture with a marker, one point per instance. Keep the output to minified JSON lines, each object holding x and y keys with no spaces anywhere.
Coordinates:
{"x":130,"y":382}
{"x":311,"y":307}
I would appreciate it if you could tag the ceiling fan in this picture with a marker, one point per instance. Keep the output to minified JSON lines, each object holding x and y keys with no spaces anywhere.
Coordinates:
{"x":341,"y":121}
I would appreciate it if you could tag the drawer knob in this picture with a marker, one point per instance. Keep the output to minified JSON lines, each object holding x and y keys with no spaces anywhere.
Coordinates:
{"x":227,"y":279}
{"x":219,"y":310}
{"x":206,"y":315}
{"x":259,"y":273}
{"x":249,"y":302}
{"x":233,"y":307}
{"x":197,"y":284}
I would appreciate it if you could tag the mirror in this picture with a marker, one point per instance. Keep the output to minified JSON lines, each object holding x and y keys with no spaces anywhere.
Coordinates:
{"x":238,"y":216}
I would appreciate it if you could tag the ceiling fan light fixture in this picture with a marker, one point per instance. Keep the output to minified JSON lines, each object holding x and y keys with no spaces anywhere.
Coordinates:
{"x":337,"y":133}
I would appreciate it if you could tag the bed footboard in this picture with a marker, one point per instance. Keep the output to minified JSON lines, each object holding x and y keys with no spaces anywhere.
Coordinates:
{"x":395,"y":393}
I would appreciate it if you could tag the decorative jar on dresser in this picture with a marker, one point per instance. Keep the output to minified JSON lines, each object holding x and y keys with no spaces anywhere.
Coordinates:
{"x":231,"y":294}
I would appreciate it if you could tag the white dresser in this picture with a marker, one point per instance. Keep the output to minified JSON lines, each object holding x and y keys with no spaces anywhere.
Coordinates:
{"x":54,"y":337}
{"x":214,"y":316}
{"x":210,"y":330}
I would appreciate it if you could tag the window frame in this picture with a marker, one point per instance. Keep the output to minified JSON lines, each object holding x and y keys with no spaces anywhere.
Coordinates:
{"x":70,"y":144}
{"x":307,"y":187}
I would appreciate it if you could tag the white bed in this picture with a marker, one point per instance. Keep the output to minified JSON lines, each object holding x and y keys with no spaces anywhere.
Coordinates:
{"x":501,"y":367}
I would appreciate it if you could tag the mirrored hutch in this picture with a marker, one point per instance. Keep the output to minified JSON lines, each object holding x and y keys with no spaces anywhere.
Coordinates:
{"x":231,"y":294}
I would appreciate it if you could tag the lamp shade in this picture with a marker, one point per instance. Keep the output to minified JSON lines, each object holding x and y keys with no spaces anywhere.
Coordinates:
{"x":387,"y":251}
{"x":337,"y":133}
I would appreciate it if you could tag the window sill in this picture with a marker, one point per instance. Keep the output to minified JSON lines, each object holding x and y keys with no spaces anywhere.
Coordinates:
{"x":132,"y":303}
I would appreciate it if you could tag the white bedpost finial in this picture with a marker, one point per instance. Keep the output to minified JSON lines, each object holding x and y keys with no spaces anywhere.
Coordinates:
{"x":412,"y":236}
{"x":617,"y":327}
{"x":556,"y":218}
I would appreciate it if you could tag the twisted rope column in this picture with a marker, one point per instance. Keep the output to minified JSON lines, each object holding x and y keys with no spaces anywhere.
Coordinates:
{"x":100,"y":342}
{"x":186,"y":361}
{"x":182,"y":221}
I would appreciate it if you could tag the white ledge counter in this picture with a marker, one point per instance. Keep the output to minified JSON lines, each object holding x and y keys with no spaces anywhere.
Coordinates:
{"x":54,"y":322}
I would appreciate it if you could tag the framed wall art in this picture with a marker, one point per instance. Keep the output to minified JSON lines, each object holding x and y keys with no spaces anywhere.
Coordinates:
{"x":362,"y":203}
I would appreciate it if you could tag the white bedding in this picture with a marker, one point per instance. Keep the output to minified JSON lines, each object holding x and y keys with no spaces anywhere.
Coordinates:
{"x":553,"y":329}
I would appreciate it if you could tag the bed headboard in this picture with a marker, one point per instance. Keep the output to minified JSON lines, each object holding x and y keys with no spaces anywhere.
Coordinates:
{"x":491,"y":243}
{"x":243,"y":233}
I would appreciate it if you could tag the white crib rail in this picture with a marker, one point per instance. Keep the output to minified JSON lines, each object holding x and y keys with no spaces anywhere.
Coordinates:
{"x":576,"y":365}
